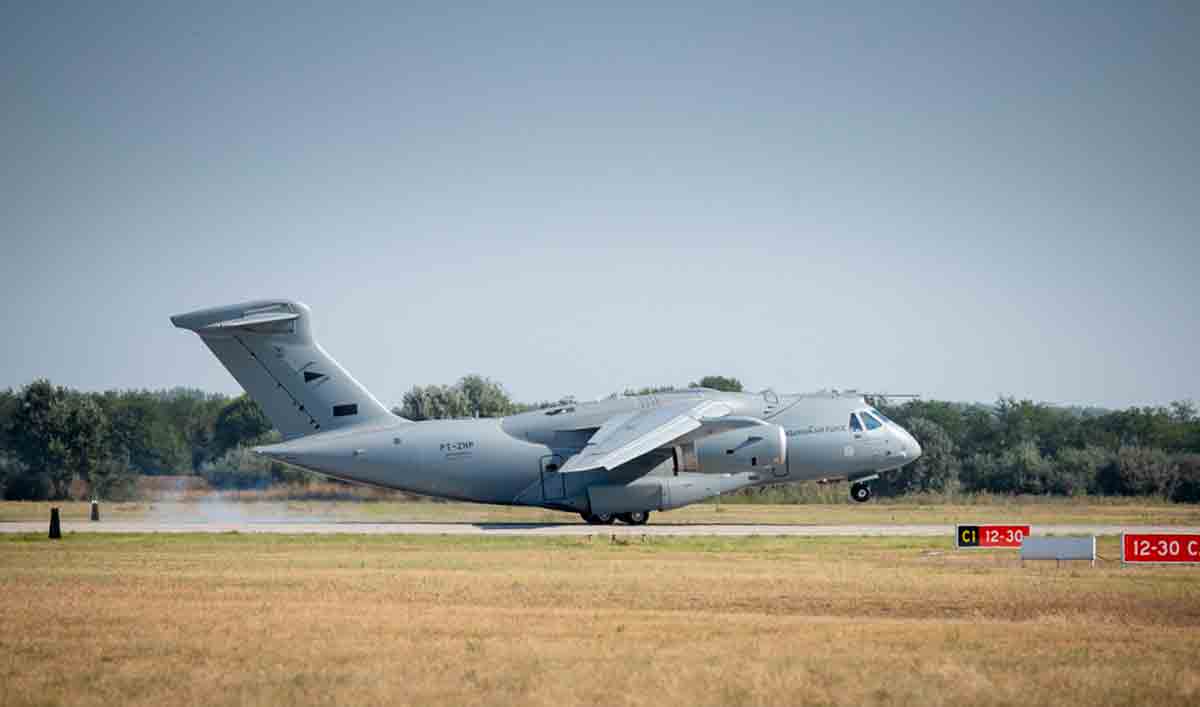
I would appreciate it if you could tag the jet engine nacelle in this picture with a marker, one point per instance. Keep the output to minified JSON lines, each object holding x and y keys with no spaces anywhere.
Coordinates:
{"x":741,"y":450}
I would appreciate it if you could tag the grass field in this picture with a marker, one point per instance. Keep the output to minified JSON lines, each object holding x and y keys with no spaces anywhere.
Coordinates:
{"x":1035,"y":511}
{"x":237,"y":619}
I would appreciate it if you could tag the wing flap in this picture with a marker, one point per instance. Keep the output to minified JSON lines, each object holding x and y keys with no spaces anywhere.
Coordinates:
{"x":630,"y":435}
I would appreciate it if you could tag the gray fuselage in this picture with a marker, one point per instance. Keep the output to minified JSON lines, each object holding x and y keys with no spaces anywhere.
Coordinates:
{"x":514,"y":460}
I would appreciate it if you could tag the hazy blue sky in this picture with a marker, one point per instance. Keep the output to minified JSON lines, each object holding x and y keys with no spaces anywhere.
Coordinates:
{"x":960,"y":199}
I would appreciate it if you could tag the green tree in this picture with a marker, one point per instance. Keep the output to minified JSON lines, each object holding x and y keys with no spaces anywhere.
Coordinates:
{"x":435,"y":402}
{"x":33,"y":424}
{"x":57,"y":435}
{"x":239,"y":423}
{"x":239,"y":468}
{"x":37,"y":436}
{"x":981,"y":432}
{"x":935,"y":470}
{"x":947,"y":416}
{"x":1076,"y":469}
{"x":142,"y":431}
{"x":1021,"y":421}
{"x":10,"y":471}
{"x":729,"y":385}
{"x":112,"y":479}
{"x":1187,"y":484}
{"x":85,"y":437}
{"x":1138,"y":471}
{"x":1139,"y":427}
{"x":8,"y":408}
{"x":192,"y":415}
{"x":9,"y":466}
{"x":1018,"y":469}
{"x":485,"y":397}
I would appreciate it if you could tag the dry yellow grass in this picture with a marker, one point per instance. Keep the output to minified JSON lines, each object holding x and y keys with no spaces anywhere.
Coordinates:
{"x":236,"y":619}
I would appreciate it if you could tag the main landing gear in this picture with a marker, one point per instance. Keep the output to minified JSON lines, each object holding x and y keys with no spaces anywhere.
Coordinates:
{"x":634,"y":518}
{"x":860,"y":492}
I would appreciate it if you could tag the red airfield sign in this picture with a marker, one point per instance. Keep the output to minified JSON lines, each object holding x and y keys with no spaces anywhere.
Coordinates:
{"x":979,"y":536}
{"x":1160,"y":547}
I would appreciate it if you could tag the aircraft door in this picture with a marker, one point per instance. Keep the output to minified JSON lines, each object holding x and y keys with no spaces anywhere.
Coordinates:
{"x":554,"y":484}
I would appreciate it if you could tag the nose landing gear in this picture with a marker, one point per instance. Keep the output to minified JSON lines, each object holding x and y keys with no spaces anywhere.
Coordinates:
{"x":860,"y":492}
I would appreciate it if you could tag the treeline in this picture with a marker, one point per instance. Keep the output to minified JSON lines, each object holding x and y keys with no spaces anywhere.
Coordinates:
{"x":1022,"y":447}
{"x":51,"y":436}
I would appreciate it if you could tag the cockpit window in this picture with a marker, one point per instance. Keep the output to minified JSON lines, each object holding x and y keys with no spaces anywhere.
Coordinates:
{"x":855,"y":425}
{"x":870,"y":421}
{"x":880,"y":415}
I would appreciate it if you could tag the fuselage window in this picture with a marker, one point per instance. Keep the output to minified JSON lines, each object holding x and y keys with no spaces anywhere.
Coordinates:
{"x":870,"y":421}
{"x":855,"y":425}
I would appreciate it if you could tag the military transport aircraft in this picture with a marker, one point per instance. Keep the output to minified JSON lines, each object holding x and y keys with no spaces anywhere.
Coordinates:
{"x":612,"y":459}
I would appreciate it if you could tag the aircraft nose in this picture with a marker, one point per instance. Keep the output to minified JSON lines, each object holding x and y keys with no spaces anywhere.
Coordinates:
{"x":912,"y":446}
{"x":910,"y":449}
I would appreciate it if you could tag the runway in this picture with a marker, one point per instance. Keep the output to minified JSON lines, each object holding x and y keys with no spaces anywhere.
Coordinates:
{"x":328,"y":527}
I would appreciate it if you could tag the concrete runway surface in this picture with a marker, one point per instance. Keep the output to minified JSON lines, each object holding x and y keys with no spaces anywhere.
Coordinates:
{"x":325,"y":527}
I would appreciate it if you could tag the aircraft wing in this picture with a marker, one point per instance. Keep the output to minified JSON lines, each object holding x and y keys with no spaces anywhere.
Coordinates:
{"x":630,"y":435}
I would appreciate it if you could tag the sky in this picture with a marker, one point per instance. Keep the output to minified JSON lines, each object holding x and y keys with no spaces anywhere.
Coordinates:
{"x":959,"y":199}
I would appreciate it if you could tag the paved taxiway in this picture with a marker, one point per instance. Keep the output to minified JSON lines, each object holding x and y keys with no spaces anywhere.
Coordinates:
{"x":324,"y":527}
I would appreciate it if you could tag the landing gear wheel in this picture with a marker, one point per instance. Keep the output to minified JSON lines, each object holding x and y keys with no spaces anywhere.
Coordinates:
{"x":598,"y":518}
{"x":860,"y":492}
{"x":634,"y":518}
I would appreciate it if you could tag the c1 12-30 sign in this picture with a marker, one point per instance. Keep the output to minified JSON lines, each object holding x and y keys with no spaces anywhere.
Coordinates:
{"x":982,"y":536}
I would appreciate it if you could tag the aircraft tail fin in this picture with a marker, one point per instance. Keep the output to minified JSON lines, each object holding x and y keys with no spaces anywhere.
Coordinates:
{"x":270,"y":349}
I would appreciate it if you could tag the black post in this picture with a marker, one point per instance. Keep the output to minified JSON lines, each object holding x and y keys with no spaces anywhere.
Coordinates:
{"x":55,"y":528}
{"x":95,"y":510}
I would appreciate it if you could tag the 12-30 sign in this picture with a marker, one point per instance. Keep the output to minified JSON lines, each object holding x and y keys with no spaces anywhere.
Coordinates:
{"x":972,"y":536}
{"x":1160,"y":547}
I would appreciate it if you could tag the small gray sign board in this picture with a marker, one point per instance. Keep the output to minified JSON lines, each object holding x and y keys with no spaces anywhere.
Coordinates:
{"x":1059,"y":549}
